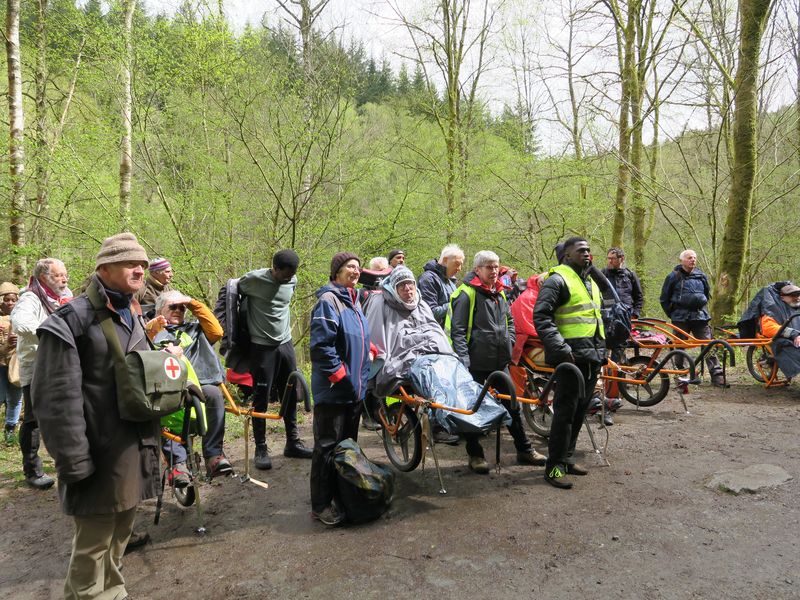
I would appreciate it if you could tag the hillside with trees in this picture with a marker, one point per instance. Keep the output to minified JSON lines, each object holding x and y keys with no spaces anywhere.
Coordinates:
{"x":654,"y":125}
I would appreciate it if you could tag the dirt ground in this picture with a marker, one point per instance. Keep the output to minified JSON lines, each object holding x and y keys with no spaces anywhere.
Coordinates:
{"x":645,"y":527}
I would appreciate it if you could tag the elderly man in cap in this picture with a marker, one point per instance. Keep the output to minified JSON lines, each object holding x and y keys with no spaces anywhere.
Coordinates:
{"x":46,"y":291}
{"x":396,"y":257}
{"x":157,"y":282}
{"x":106,"y":466}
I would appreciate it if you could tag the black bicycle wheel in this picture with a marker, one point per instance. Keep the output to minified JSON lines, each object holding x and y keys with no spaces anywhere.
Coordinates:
{"x":648,"y":394}
{"x":402,"y":439}
{"x":185,"y":496}
{"x":761,"y":364}
{"x":538,"y":416}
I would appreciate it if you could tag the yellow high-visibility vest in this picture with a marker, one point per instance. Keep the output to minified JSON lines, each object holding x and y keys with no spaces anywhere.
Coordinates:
{"x":580,"y":317}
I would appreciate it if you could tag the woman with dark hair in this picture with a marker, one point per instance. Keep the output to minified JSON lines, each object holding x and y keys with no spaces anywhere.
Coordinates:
{"x":340,"y":364}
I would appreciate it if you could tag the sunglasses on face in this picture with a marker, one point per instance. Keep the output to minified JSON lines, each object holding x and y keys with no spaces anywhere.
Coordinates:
{"x":180,"y":307}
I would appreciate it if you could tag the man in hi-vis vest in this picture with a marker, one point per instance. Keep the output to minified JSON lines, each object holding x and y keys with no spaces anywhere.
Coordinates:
{"x":570,"y":325}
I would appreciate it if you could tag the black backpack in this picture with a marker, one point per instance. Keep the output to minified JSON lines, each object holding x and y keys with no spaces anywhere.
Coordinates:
{"x":364,"y":489}
{"x":231,"y":312}
{"x":616,"y":317}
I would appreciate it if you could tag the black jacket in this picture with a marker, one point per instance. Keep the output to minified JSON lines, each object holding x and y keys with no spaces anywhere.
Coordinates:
{"x":685,"y":296}
{"x":435,"y":288}
{"x":554,"y":293}
{"x":493,"y":334}
{"x":628,"y":287}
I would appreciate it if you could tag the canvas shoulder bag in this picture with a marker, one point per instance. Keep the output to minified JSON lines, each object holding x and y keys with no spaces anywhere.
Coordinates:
{"x":150,"y":383}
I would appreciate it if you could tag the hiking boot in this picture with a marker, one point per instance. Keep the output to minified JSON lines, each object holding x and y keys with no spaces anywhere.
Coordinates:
{"x":531,"y":458}
{"x":595,"y":404}
{"x":295,"y":448}
{"x":137,"y":540}
{"x":218,"y":466}
{"x":613,"y":404}
{"x":440,"y":436}
{"x":40,"y":482}
{"x":179,"y":476}
{"x":331,"y":516}
{"x":555,"y":477}
{"x":718,"y":380}
{"x":370,"y":424}
{"x":606,"y":419}
{"x":261,"y":459}
{"x":575,"y":470}
{"x":478,"y":464}
{"x":10,"y":435}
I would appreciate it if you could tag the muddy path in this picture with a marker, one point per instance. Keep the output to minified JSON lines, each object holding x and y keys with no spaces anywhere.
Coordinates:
{"x":644,"y":527}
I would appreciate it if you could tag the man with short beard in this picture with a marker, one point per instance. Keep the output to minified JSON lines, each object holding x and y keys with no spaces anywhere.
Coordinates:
{"x":105,"y":465}
{"x":46,"y":291}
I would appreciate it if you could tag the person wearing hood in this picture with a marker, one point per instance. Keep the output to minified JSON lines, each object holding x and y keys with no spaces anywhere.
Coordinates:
{"x":684,"y":298}
{"x":438,"y":281}
{"x":272,"y":358}
{"x":482,"y":331}
{"x":196,"y":338}
{"x":340,"y":365}
{"x":401,"y":328}
{"x":774,"y":312}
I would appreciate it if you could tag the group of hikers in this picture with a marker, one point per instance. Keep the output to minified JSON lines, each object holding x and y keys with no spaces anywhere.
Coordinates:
{"x":59,"y":354}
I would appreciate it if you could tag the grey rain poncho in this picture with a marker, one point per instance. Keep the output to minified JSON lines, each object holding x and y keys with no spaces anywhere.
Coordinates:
{"x":413,"y":347}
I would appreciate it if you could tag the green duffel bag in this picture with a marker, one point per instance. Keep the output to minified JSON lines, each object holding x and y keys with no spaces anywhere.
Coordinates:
{"x":150,"y":383}
{"x":150,"y":386}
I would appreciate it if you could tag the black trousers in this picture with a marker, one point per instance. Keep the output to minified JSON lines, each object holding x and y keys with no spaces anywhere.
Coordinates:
{"x":568,"y":412}
{"x":701,"y":330}
{"x":516,"y":429}
{"x":332,"y":424}
{"x":271,"y":366}
{"x":29,"y":437}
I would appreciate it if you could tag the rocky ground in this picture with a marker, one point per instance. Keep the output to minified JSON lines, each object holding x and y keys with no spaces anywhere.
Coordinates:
{"x":646,"y":526}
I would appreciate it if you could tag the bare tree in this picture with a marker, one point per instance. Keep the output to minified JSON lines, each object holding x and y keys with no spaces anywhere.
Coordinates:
{"x":16,"y":148}
{"x":442,"y":45}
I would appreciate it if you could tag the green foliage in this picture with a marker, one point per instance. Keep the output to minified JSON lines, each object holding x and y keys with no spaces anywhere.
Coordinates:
{"x":239,"y":151}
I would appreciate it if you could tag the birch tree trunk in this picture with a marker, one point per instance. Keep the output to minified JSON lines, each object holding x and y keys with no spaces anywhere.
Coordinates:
{"x":753,"y":15}
{"x":16,"y":149}
{"x":126,"y":158}
{"x":41,"y":158}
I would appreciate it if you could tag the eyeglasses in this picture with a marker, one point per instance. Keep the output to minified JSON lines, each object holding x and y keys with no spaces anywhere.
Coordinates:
{"x":404,"y":284}
{"x":180,"y":307}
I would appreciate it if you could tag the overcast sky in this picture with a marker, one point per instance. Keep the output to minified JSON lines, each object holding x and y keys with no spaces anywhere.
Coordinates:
{"x":374,"y":23}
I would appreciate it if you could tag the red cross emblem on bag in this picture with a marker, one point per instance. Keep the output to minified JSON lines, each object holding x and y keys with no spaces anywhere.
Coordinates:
{"x":172,"y":367}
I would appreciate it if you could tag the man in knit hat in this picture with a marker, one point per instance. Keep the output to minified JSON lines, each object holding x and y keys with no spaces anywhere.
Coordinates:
{"x":105,"y":465}
{"x":272,"y":358}
{"x":158,"y":281}
{"x":396,"y":257}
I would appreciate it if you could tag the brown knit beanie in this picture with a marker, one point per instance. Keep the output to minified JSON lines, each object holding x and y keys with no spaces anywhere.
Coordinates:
{"x":8,"y":288}
{"x":123,"y":247}
{"x":339,"y":259}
